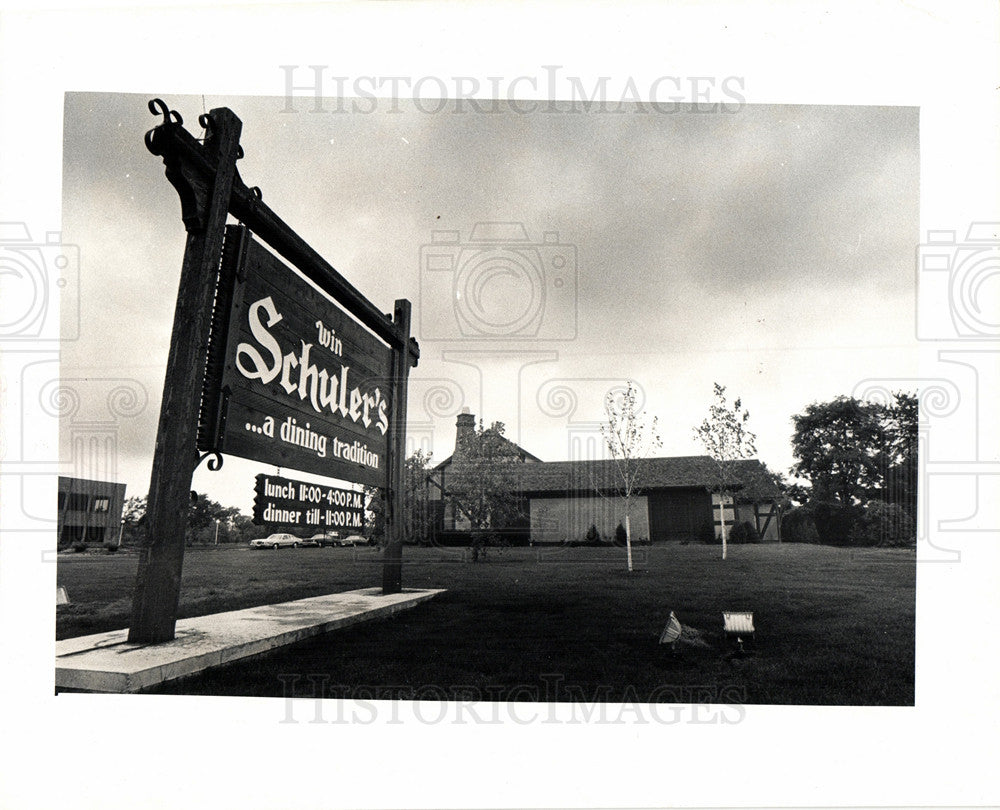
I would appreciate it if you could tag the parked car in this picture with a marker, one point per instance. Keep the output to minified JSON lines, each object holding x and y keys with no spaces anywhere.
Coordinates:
{"x":327,"y":539}
{"x":357,"y":540}
{"x":310,"y":541}
{"x":276,"y":541}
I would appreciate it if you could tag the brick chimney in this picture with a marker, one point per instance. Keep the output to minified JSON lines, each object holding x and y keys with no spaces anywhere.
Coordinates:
{"x":465,"y":425}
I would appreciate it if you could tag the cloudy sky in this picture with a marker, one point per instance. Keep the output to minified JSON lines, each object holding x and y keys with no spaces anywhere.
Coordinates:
{"x":770,"y":249}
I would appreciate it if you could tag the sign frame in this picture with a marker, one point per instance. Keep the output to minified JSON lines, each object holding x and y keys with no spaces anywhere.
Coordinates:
{"x":247,"y":271}
{"x":210,"y":189}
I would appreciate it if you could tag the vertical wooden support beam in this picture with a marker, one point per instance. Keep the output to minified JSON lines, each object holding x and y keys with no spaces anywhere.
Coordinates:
{"x":392,"y":565}
{"x":157,"y":589}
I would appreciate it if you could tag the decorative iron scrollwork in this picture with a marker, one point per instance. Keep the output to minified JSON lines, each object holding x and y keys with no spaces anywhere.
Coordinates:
{"x":214,"y":464}
{"x":157,"y":106}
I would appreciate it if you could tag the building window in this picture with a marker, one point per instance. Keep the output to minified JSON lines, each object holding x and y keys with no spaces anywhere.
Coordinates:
{"x":70,"y":535}
{"x":102,"y":504}
{"x":94,"y":534}
{"x":77,"y":502}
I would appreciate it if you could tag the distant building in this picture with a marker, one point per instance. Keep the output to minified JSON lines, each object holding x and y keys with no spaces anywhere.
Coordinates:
{"x":561,"y":500}
{"x":89,"y":511}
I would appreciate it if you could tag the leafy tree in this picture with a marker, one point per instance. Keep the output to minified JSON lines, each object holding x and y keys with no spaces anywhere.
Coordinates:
{"x":242,"y":529}
{"x":133,"y":520}
{"x":486,"y":465}
{"x":857,"y":455}
{"x":837,"y":445}
{"x":898,"y":460}
{"x":202,"y":514}
{"x":727,"y":440}
{"x":416,"y":507}
{"x":416,"y":502}
{"x":630,"y":441}
{"x":375,"y":514}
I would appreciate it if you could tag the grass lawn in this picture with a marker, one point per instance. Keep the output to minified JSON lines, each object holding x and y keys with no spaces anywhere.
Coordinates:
{"x":834,"y":626}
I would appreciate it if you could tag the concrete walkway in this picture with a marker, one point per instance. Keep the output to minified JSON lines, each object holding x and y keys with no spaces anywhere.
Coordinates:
{"x":106,"y":662}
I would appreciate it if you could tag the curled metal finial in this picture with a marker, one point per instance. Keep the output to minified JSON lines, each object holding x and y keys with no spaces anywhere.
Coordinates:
{"x":158,"y":106}
{"x":255,"y":190}
{"x":214,"y":464}
{"x":205,"y":121}
{"x":239,"y":151}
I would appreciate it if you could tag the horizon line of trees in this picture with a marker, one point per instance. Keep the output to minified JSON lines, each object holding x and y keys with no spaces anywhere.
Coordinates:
{"x":203,"y":512}
{"x":860,"y":461}
{"x":855,"y":461}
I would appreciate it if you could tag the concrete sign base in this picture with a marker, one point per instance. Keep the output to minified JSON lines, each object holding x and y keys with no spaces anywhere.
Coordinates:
{"x":107,"y":662}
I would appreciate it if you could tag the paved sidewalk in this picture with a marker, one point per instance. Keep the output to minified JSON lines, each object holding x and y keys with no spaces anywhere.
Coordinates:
{"x":106,"y":662}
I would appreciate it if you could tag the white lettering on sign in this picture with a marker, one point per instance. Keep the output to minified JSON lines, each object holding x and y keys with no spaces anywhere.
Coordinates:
{"x":261,"y":371}
{"x":326,"y":390}
{"x":327,"y":338}
{"x":274,"y":514}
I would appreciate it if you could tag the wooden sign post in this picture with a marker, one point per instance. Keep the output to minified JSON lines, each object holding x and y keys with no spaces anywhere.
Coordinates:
{"x":197,"y":392}
{"x":392,"y":567}
{"x":204,"y":207}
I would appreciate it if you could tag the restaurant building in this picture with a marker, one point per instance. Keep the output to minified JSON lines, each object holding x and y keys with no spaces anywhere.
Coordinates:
{"x":561,"y":500}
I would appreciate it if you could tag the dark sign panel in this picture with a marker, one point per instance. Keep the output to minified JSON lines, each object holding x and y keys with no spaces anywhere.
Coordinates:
{"x":302,"y":384}
{"x":286,"y":502}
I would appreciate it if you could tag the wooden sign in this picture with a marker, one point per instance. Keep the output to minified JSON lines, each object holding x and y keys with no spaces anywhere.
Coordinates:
{"x":302,"y":384}
{"x":288,"y":377}
{"x":286,"y":502}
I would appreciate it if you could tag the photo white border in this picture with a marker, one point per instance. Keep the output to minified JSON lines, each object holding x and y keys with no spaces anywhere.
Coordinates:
{"x":108,"y":751}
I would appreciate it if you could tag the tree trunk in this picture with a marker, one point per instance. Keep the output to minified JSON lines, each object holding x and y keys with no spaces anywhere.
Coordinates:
{"x":628,"y":541}
{"x":722,"y":521}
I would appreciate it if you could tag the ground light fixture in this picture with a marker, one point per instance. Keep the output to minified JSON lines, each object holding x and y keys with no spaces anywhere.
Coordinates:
{"x":738,"y":626}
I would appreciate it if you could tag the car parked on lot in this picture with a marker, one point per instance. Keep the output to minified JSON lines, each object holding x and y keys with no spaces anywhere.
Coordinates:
{"x":357,"y":540}
{"x":276,"y":541}
{"x":327,"y":539}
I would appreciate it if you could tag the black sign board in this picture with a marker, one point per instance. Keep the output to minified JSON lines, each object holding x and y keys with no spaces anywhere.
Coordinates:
{"x":302,"y":384}
{"x":286,"y":502}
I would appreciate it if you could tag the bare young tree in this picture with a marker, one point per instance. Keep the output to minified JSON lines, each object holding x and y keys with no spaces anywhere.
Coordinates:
{"x":630,"y":441}
{"x":726,"y":438}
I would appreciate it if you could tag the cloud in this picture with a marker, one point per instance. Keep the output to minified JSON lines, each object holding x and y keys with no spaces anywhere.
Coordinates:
{"x":769,"y":230}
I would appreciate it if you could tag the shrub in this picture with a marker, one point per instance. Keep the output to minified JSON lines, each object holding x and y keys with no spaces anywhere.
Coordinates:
{"x":884,"y":524}
{"x":834,"y":521}
{"x":593,"y":537}
{"x":744,"y":532}
{"x":481,"y":540}
{"x":620,"y":536}
{"x":111,"y":548}
{"x":798,"y":526}
{"x":79,"y":547}
{"x":706,"y":534}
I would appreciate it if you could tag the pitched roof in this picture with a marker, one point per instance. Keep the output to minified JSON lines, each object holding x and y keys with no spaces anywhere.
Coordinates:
{"x":564,"y":477}
{"x":515,"y":449}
